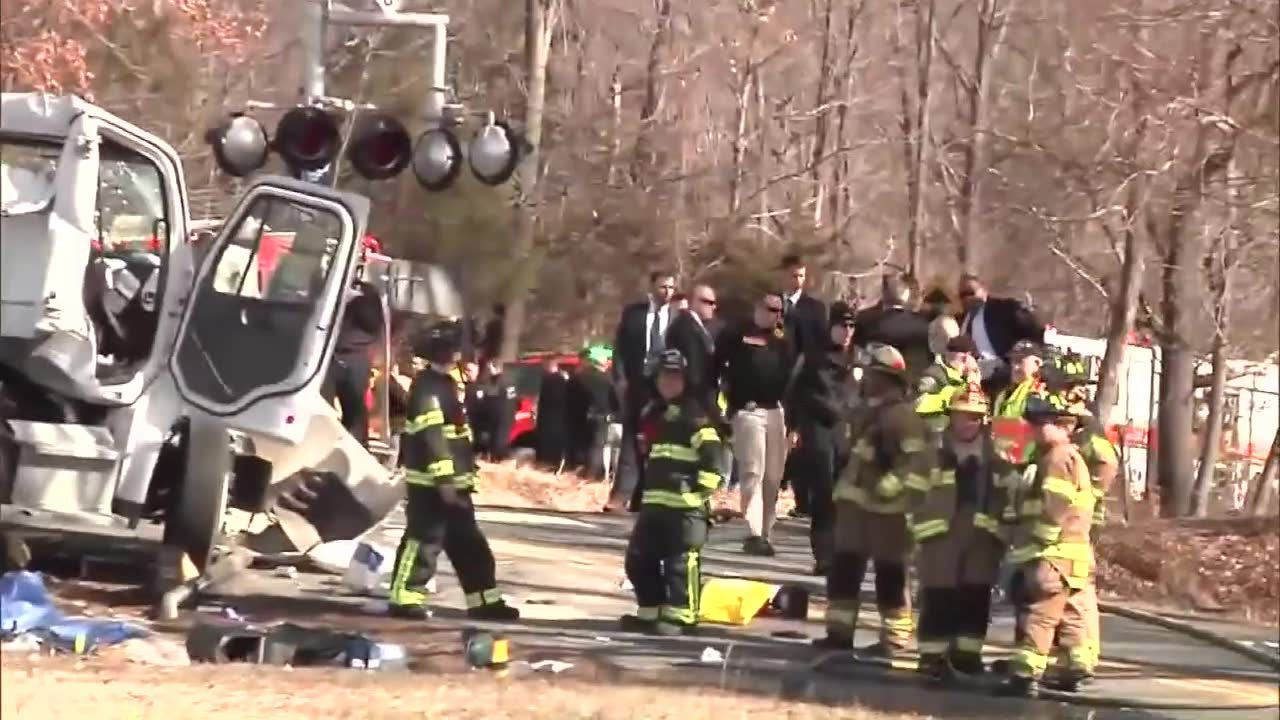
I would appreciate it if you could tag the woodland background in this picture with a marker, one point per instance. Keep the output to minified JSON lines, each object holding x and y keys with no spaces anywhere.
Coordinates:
{"x":1115,"y":164}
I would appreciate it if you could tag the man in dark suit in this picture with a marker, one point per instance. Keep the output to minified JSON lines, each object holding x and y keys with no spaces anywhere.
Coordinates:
{"x":806,"y":321}
{"x":636,"y":347}
{"x":995,"y":325}
{"x":894,"y":321}
{"x":693,"y":333}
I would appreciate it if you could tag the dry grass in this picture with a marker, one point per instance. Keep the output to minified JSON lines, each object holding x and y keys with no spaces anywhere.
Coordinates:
{"x":524,"y":486}
{"x":50,"y":688}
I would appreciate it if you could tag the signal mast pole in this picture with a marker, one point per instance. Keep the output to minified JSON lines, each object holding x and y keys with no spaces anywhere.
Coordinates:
{"x":318,"y":15}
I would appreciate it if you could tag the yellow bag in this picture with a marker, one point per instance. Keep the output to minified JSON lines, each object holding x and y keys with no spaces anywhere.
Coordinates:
{"x":734,"y":601}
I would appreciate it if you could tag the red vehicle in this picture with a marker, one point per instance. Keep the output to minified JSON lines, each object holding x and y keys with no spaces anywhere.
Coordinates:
{"x":526,"y":375}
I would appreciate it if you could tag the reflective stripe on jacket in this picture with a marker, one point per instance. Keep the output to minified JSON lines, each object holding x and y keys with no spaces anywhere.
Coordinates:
{"x":890,"y":455}
{"x":437,"y":439}
{"x":1057,"y":513}
{"x":1014,"y":440}
{"x":685,"y":456}
{"x":957,"y":486}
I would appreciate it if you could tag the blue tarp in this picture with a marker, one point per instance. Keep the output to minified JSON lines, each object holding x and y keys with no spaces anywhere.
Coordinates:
{"x":25,"y":607}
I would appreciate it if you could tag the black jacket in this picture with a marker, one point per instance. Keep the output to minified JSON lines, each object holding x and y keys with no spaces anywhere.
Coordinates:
{"x":807,"y":323}
{"x":1007,"y":322}
{"x":756,"y":365}
{"x":817,"y":396}
{"x":436,"y":445}
{"x":629,"y":342}
{"x":362,"y":324}
{"x":905,"y":329}
{"x":697,"y":343}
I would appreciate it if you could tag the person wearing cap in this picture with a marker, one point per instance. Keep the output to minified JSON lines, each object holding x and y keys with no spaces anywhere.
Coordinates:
{"x":1013,"y":437}
{"x":1052,"y":549}
{"x":890,"y":463}
{"x":681,"y":470}
{"x":817,"y":403}
{"x":756,"y":362}
{"x":593,"y":405}
{"x":440,"y":474}
{"x":960,"y":541}
{"x":953,"y":373}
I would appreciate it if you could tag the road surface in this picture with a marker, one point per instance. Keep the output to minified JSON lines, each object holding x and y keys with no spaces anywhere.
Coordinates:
{"x":565,"y":572}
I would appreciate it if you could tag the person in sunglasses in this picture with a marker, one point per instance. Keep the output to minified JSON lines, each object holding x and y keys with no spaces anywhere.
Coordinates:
{"x":756,"y":360}
{"x":996,"y":325}
{"x":693,"y":333}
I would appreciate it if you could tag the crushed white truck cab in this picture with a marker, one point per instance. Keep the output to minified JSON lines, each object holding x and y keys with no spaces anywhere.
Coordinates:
{"x":128,"y":363}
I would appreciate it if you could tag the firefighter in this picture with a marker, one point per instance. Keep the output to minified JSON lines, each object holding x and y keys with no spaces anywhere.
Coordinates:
{"x":1070,"y":376}
{"x":440,"y":474}
{"x":1012,"y":437}
{"x":954,"y":371}
{"x":890,"y":455}
{"x":961,"y":541}
{"x":681,"y":471}
{"x":1051,"y":546}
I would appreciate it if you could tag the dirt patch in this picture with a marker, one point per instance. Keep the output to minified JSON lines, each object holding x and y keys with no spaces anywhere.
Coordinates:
{"x":49,"y":688}
{"x":1229,"y":566}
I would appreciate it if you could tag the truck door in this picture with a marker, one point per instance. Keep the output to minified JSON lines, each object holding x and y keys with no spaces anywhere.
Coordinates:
{"x":255,"y":341}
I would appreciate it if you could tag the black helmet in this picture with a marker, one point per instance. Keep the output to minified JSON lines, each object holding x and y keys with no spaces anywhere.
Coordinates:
{"x":672,"y":361}
{"x":440,"y":342}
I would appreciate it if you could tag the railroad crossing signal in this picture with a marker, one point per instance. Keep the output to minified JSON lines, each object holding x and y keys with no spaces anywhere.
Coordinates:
{"x":309,"y":139}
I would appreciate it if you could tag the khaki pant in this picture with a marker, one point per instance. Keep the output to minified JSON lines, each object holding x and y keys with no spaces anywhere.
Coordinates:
{"x":1055,"y":609}
{"x":760,"y":447}
{"x":885,"y":542}
{"x":964,"y":555}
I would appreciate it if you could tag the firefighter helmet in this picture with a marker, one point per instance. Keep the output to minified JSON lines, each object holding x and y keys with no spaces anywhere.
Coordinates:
{"x":886,"y":359}
{"x":1026,"y":348}
{"x":441,"y":341}
{"x":1059,"y":405}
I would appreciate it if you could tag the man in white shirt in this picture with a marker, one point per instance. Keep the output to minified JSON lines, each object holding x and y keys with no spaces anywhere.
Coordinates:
{"x":995,"y":325}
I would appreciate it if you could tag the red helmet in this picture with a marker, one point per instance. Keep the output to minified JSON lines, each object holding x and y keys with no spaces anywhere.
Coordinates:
{"x":371,"y":244}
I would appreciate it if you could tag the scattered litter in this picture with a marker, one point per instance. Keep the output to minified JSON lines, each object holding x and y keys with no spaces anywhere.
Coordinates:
{"x":223,"y":611}
{"x":552,"y":666}
{"x":24,"y":643}
{"x":286,"y":571}
{"x":368,"y":569}
{"x":711,"y":655}
{"x":155,"y":650}
{"x":485,"y":649}
{"x":25,"y":607}
{"x":218,"y":641}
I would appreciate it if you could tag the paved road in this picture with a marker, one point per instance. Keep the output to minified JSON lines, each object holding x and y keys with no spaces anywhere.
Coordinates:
{"x":565,"y":572}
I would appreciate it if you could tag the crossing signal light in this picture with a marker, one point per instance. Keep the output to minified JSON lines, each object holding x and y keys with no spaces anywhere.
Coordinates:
{"x":308,"y":138}
{"x":240,"y":145}
{"x":380,"y":147}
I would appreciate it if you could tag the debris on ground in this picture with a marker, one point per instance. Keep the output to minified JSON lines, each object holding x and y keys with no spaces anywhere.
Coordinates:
{"x":27,"y":609}
{"x":1209,"y":565}
{"x":56,"y":688}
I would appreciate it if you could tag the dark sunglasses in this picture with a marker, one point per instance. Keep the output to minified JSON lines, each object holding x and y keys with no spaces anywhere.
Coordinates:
{"x":967,"y":293}
{"x":707,"y":301}
{"x":773,"y":309}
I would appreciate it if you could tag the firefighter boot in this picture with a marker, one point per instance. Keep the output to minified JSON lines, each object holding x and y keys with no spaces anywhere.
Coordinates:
{"x":842,"y":618}
{"x":934,"y":667}
{"x":645,"y":620}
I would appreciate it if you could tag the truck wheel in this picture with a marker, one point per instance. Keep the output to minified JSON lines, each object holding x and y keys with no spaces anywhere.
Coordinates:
{"x":198,"y":502}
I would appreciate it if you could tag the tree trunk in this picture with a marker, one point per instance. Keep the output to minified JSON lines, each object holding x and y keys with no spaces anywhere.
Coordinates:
{"x":643,"y":158}
{"x":539,"y":21}
{"x":1213,"y":427}
{"x":1260,"y":494}
{"x":977,"y":155}
{"x":1175,"y":425}
{"x":823,"y":120}
{"x":1123,"y":311}
{"x":926,"y":39}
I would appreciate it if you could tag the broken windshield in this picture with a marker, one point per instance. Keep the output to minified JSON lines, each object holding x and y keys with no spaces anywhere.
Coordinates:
{"x":130,"y":199}
{"x":26,"y":177}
